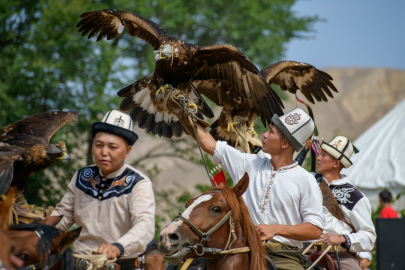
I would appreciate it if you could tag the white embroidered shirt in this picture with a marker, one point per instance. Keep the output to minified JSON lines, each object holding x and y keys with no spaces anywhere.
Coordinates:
{"x":119,"y":208}
{"x":288,"y":196}
{"x":356,"y":209}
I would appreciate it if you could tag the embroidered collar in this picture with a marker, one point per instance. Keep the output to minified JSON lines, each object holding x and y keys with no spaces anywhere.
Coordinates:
{"x":338,"y":182}
{"x":285,"y":168}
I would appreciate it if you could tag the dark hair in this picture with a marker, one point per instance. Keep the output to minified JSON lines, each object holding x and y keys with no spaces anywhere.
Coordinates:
{"x":385,"y":196}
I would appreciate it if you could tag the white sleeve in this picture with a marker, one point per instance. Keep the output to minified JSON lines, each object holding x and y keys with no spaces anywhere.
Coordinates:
{"x":142,"y":210}
{"x":311,"y":206}
{"x":65,"y":207}
{"x":364,"y":237}
{"x":231,"y":159}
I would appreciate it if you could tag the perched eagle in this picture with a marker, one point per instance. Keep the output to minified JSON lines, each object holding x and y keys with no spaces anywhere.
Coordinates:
{"x":178,"y":63}
{"x":25,"y":147}
{"x":289,"y":75}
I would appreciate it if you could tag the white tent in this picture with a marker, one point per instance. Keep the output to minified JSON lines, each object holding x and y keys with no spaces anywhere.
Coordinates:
{"x":381,"y":161}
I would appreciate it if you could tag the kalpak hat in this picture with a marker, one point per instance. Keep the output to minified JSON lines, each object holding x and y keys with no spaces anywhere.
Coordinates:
{"x":117,"y":123}
{"x":297,"y":126}
{"x":340,"y":148}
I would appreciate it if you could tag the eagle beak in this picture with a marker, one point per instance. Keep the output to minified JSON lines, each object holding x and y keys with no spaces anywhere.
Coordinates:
{"x":164,"y":52}
{"x":64,"y":157}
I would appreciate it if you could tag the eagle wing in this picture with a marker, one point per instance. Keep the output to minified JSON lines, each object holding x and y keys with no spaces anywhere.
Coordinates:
{"x":293,"y":76}
{"x":226,"y":62}
{"x":142,"y":110}
{"x":43,"y":125}
{"x":110,"y":23}
{"x":8,"y":154}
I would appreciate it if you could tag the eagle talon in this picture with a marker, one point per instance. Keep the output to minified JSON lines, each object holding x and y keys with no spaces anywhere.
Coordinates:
{"x":162,"y":89}
{"x":231,"y":126}
{"x":252,"y":130}
{"x":193,"y":106}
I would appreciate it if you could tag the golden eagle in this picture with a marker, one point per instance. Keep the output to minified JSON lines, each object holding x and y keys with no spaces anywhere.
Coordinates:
{"x":237,"y":119}
{"x":178,"y":63}
{"x":25,"y":147}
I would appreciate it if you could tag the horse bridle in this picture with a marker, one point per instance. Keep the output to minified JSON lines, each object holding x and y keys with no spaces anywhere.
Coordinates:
{"x":45,"y":266}
{"x":205,"y":236}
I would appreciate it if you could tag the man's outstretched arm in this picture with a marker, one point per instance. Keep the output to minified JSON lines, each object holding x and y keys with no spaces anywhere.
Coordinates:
{"x":207,"y":142}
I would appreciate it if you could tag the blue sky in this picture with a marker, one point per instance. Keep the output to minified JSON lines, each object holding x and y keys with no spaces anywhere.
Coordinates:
{"x":359,"y":33}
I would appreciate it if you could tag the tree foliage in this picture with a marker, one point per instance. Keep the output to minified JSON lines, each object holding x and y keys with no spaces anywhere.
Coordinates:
{"x":47,"y":65}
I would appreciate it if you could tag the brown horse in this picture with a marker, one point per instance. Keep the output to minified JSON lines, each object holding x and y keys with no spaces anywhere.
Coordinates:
{"x":7,"y":260}
{"x":43,"y":246}
{"x":209,"y":213}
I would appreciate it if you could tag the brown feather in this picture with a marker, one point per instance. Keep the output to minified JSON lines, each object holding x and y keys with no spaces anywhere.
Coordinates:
{"x":106,"y":22}
{"x":290,"y":76}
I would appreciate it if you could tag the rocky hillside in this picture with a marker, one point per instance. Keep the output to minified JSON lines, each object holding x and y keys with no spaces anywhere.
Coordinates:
{"x":365,"y":95}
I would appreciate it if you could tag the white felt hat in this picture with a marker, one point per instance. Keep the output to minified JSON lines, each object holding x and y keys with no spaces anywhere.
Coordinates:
{"x":340,"y":148}
{"x":117,"y":123}
{"x":297,"y":126}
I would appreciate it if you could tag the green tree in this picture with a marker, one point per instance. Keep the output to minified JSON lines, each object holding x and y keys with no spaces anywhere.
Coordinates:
{"x":47,"y":65}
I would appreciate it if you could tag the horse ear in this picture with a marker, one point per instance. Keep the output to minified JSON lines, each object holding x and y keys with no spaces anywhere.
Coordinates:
{"x":242,"y":185}
{"x":61,"y":242}
{"x":5,"y":207}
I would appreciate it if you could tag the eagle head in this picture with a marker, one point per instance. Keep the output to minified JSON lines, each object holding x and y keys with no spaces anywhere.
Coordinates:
{"x":58,"y":151}
{"x":164,"y":52}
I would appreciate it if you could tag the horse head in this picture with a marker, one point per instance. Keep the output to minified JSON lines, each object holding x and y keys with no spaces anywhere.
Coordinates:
{"x":205,"y":228}
{"x":40,"y":244}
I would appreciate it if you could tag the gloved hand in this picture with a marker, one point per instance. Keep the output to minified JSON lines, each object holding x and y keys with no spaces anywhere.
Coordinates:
{"x":179,"y":105}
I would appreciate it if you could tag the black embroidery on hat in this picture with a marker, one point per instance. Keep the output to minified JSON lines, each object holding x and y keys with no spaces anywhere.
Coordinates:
{"x":119,"y":122}
{"x":90,"y":182}
{"x":347,"y":195}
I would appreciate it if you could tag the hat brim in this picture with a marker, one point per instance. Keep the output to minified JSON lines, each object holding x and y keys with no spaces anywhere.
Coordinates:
{"x":290,"y":138}
{"x":128,"y":135}
{"x":346,"y":162}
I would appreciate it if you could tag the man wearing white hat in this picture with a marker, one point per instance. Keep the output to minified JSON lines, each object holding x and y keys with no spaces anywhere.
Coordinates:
{"x":283,"y":199}
{"x":112,"y":201}
{"x":348,"y":225}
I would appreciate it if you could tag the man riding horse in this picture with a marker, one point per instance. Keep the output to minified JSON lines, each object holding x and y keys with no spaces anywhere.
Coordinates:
{"x":112,"y":201}
{"x":349,"y":224}
{"x":283,"y":199}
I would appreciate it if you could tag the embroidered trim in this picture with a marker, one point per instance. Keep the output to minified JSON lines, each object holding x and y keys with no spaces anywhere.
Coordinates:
{"x":293,"y":119}
{"x":342,"y":194}
{"x":265,"y":200}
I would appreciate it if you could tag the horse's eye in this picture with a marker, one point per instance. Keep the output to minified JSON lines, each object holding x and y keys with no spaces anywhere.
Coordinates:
{"x":24,"y":257}
{"x":216,"y":209}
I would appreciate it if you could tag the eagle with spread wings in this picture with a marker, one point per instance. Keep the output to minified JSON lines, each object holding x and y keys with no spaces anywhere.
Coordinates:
{"x":25,"y":147}
{"x":177,"y":64}
{"x":237,"y":119}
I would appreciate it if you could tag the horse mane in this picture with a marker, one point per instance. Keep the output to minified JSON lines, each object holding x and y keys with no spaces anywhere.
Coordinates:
{"x":242,"y":216}
{"x":45,"y":242}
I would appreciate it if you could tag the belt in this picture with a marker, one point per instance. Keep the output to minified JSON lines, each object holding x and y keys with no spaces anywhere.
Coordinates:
{"x":278,"y":247}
